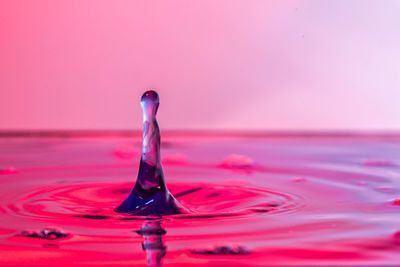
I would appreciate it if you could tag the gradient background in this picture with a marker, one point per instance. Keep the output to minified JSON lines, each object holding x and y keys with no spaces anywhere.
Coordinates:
{"x":241,"y":65}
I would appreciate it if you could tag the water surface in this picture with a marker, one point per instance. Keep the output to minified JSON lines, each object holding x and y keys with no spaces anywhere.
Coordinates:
{"x":252,"y":200}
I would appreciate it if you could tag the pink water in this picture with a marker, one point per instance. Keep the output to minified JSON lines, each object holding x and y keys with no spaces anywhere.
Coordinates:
{"x":253,"y":200}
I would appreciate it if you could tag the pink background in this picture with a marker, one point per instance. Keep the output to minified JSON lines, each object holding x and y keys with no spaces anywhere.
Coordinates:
{"x":243,"y":65}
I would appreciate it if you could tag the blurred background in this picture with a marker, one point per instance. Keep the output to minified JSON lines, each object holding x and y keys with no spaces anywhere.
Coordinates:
{"x":217,"y":64}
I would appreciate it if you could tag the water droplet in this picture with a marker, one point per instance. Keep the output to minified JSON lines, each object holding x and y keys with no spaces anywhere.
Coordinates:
{"x":150,"y":97}
{"x":150,"y":195}
{"x":51,"y":233}
{"x":236,"y":161}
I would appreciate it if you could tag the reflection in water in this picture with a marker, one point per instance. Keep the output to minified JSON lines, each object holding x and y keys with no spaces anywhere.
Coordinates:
{"x":153,"y":242}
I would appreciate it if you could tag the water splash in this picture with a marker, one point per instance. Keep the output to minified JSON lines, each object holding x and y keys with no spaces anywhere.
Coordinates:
{"x":150,"y":195}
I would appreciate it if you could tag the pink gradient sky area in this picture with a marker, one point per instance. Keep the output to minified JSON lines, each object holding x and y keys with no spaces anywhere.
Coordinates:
{"x":217,"y":64}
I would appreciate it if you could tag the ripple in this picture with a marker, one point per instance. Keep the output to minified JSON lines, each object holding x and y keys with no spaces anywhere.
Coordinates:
{"x":202,"y":200}
{"x":300,"y":203}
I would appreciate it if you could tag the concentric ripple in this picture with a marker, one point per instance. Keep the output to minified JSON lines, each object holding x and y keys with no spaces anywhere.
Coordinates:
{"x":258,"y":201}
{"x":97,"y":200}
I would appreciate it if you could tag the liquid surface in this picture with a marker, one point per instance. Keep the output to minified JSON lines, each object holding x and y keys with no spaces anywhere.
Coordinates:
{"x":252,"y":200}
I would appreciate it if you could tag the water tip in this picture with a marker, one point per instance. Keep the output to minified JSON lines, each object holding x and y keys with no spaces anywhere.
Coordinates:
{"x":150,"y":96}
